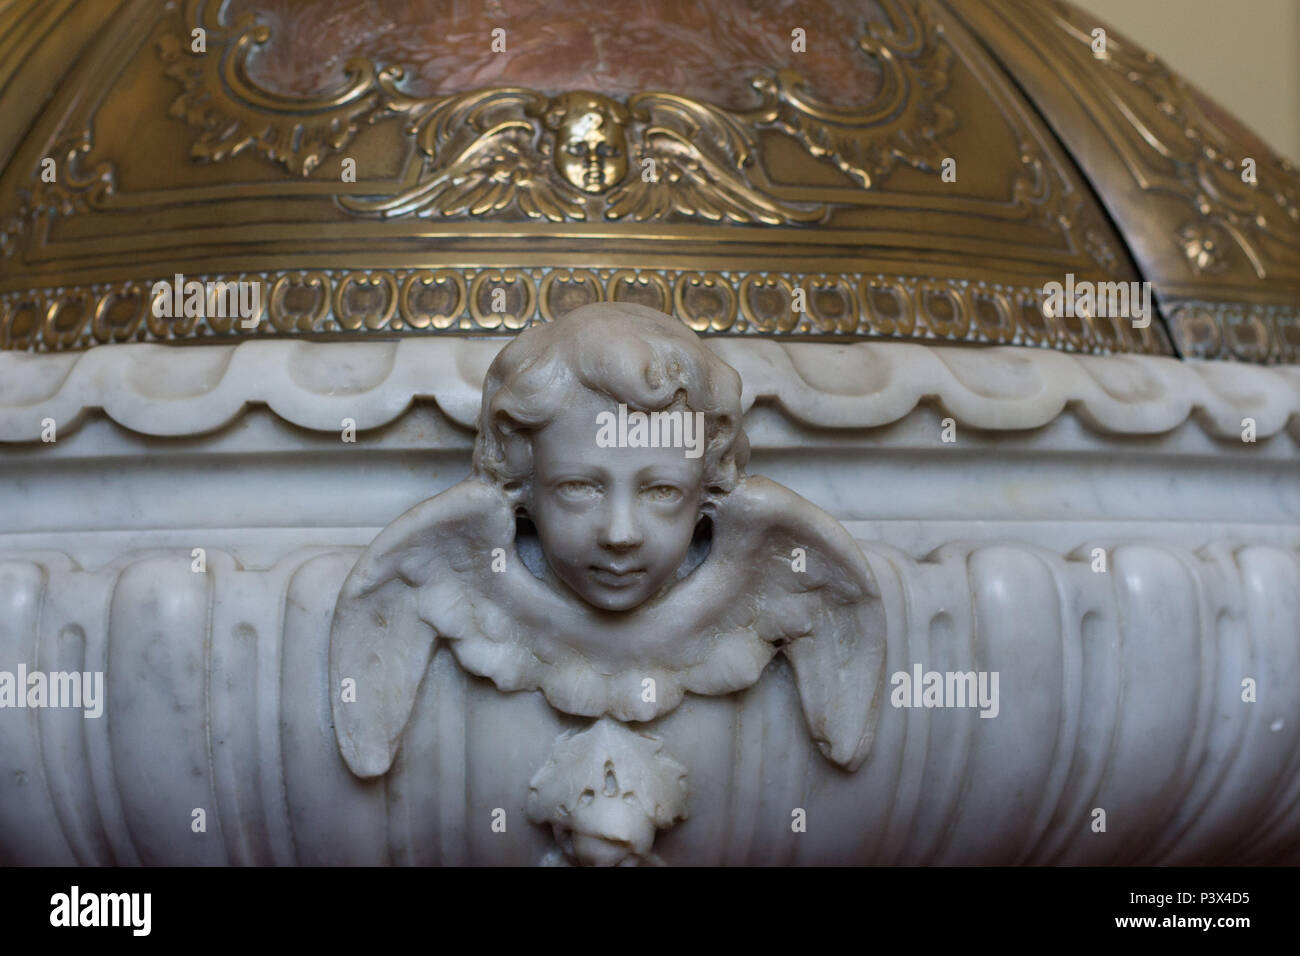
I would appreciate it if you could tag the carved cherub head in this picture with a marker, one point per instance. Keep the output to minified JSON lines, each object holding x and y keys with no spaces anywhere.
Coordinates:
{"x":615,"y":445}
{"x":590,"y":139}
{"x":609,"y":610}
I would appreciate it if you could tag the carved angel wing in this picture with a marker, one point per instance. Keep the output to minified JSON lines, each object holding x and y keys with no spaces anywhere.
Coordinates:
{"x":810,"y":593}
{"x":693,"y":160}
{"x":380,"y":639}
{"x":498,"y":169}
{"x":481,"y":148}
{"x":781,"y":575}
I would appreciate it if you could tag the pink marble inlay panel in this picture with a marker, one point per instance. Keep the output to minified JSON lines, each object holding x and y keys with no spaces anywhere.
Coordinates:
{"x":709,"y":51}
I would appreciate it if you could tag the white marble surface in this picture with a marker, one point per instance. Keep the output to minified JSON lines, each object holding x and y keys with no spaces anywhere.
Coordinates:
{"x":1119,"y":690}
{"x":190,"y":390}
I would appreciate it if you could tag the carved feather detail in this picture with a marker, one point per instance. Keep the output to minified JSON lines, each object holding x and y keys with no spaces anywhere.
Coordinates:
{"x":694,"y":160}
{"x":497,"y":171}
{"x":428,"y":576}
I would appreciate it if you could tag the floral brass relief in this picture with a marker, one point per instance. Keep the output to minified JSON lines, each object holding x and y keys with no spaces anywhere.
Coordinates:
{"x":659,"y":156}
{"x":1174,"y":144}
{"x":555,"y":159}
{"x":491,"y":197}
{"x":1213,"y":211}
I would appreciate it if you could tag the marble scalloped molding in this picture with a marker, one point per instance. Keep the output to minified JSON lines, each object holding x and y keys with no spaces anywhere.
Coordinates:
{"x":1120,"y":690}
{"x":167,"y":391}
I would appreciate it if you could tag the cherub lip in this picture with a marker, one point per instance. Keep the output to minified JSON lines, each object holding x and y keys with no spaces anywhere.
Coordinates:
{"x":617,"y":575}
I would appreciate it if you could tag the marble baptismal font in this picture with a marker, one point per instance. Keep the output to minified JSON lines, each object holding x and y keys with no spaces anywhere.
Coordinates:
{"x":824,"y":432}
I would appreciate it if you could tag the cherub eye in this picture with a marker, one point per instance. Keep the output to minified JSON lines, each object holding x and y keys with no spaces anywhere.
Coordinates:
{"x":576,"y":488}
{"x":665,"y":493}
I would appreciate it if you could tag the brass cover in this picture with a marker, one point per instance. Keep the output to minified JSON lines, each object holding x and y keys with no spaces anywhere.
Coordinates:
{"x":759,"y":190}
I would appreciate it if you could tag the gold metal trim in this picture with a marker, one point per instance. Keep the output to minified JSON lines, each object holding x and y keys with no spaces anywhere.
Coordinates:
{"x":838,"y":306}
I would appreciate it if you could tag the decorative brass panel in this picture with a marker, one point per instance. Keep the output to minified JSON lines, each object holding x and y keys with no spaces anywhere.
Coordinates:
{"x":169,"y":160}
{"x":1222,"y":253}
{"x":337,"y":302}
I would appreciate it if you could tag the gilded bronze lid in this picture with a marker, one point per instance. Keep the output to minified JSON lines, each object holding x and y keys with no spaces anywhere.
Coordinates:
{"x":812,"y":169}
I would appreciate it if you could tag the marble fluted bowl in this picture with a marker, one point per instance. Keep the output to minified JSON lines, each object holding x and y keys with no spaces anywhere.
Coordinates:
{"x":1120,"y":690}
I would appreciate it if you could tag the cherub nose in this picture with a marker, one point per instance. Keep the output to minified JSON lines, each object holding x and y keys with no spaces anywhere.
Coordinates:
{"x":620,"y":532}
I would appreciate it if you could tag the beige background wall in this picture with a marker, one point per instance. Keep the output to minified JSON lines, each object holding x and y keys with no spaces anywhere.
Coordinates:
{"x":1244,"y":53}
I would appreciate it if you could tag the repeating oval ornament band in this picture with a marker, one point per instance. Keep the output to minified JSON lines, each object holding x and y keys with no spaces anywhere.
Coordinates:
{"x":452,"y":301}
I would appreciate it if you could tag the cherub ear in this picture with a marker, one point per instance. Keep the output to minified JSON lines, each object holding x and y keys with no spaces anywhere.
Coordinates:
{"x":819,"y":601}
{"x":516,"y":444}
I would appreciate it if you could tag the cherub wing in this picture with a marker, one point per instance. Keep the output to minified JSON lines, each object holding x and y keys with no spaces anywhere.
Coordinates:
{"x":481,"y":157}
{"x":432,"y":556}
{"x":807,"y":589}
{"x":693,"y":161}
{"x":494,"y":171}
{"x":781,"y":575}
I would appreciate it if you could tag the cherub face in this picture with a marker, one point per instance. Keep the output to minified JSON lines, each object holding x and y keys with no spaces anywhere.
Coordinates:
{"x":614,"y":523}
{"x":591,"y":145}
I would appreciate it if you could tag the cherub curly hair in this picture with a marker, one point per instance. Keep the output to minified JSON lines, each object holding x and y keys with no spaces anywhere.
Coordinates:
{"x":629,"y":353}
